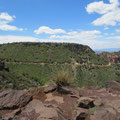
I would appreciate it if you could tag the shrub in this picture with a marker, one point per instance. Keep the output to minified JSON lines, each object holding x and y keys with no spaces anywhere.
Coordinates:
{"x":63,"y":77}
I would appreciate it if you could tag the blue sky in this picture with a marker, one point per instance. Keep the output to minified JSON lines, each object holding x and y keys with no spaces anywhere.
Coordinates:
{"x":90,"y":22}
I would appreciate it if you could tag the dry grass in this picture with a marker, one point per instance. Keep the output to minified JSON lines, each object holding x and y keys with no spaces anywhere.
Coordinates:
{"x":63,"y":77}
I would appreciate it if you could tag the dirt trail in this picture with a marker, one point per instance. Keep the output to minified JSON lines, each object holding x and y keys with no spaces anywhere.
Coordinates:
{"x":74,"y":64}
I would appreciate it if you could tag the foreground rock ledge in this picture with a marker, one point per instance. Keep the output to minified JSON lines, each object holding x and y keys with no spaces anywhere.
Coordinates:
{"x":49,"y":104}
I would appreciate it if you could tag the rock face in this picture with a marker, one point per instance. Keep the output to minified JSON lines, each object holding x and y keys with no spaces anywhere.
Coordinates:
{"x":113,"y":58}
{"x":85,"y":102}
{"x":36,"y":110}
{"x":113,"y":85}
{"x":36,"y":104}
{"x":10,"y":99}
{"x":103,"y":115}
{"x":50,"y":88}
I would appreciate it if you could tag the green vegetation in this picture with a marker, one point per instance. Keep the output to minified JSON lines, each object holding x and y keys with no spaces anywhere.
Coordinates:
{"x":34,"y":64}
{"x":92,"y":110}
{"x":93,"y":76}
{"x":15,"y":81}
{"x":63,"y":77}
{"x":48,"y":53}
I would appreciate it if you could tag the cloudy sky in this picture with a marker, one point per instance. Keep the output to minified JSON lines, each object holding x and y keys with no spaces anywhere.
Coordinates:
{"x":90,"y":22}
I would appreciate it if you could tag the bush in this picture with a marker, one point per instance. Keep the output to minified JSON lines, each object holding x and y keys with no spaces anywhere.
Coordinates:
{"x":63,"y":77}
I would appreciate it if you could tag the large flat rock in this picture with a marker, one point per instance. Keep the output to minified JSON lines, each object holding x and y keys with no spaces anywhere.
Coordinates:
{"x":12,"y":99}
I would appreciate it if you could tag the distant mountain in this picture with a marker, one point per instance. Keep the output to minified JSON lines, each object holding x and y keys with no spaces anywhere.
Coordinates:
{"x":107,"y":50}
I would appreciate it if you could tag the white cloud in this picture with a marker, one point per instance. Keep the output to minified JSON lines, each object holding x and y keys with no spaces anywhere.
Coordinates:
{"x":115,"y":37}
{"x":48,"y":30}
{"x":107,"y":42}
{"x":6,"y":27}
{"x":10,"y":39}
{"x":78,"y":35}
{"x":5,"y":19}
{"x":6,"y":16}
{"x":82,"y":37}
{"x":117,"y":30}
{"x":110,"y":12}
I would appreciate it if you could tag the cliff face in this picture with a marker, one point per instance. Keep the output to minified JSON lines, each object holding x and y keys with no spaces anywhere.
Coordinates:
{"x":113,"y":57}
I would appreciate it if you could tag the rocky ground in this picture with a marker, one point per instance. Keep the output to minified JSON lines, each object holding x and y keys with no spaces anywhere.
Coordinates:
{"x":61,"y":103}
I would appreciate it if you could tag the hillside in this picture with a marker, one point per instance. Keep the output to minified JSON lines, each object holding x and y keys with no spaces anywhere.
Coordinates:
{"x":10,"y":79}
{"x":49,"y":53}
{"x":112,"y":57}
{"x":37,"y":62}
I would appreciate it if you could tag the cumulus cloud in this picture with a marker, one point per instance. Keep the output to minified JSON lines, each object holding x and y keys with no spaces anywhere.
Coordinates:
{"x":47,"y":30}
{"x":93,"y":42}
{"x":115,"y":37}
{"x":5,"y":19}
{"x":82,"y":35}
{"x":6,"y":16}
{"x":10,"y":39}
{"x":110,"y":12}
{"x":117,"y":30}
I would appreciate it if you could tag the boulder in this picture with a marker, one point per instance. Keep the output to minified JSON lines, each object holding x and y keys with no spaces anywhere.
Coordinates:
{"x":36,"y":110}
{"x":50,"y":88}
{"x":11,"y":115}
{"x":98,"y":103}
{"x":57,"y":99}
{"x":103,"y":115}
{"x":85,"y":102}
{"x":113,"y":85}
{"x":111,"y":110}
{"x":114,"y":104}
{"x":68,"y":90}
{"x":13,"y":99}
{"x":80,"y":114}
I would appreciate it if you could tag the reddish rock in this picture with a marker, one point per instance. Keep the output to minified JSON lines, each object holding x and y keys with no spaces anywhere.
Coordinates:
{"x":50,"y":88}
{"x":113,"y":85}
{"x":98,"y":103}
{"x":80,"y":114}
{"x":103,"y":115}
{"x":36,"y":110}
{"x":11,"y":115}
{"x":85,"y":102}
{"x":12,"y":99}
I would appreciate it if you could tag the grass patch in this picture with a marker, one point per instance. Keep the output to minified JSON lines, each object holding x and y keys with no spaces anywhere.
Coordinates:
{"x":92,"y":110}
{"x":63,"y":77}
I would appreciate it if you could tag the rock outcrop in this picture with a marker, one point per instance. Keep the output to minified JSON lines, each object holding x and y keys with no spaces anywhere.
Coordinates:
{"x":36,"y":110}
{"x":113,"y":85}
{"x":47,"y":103}
{"x":11,"y":99}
